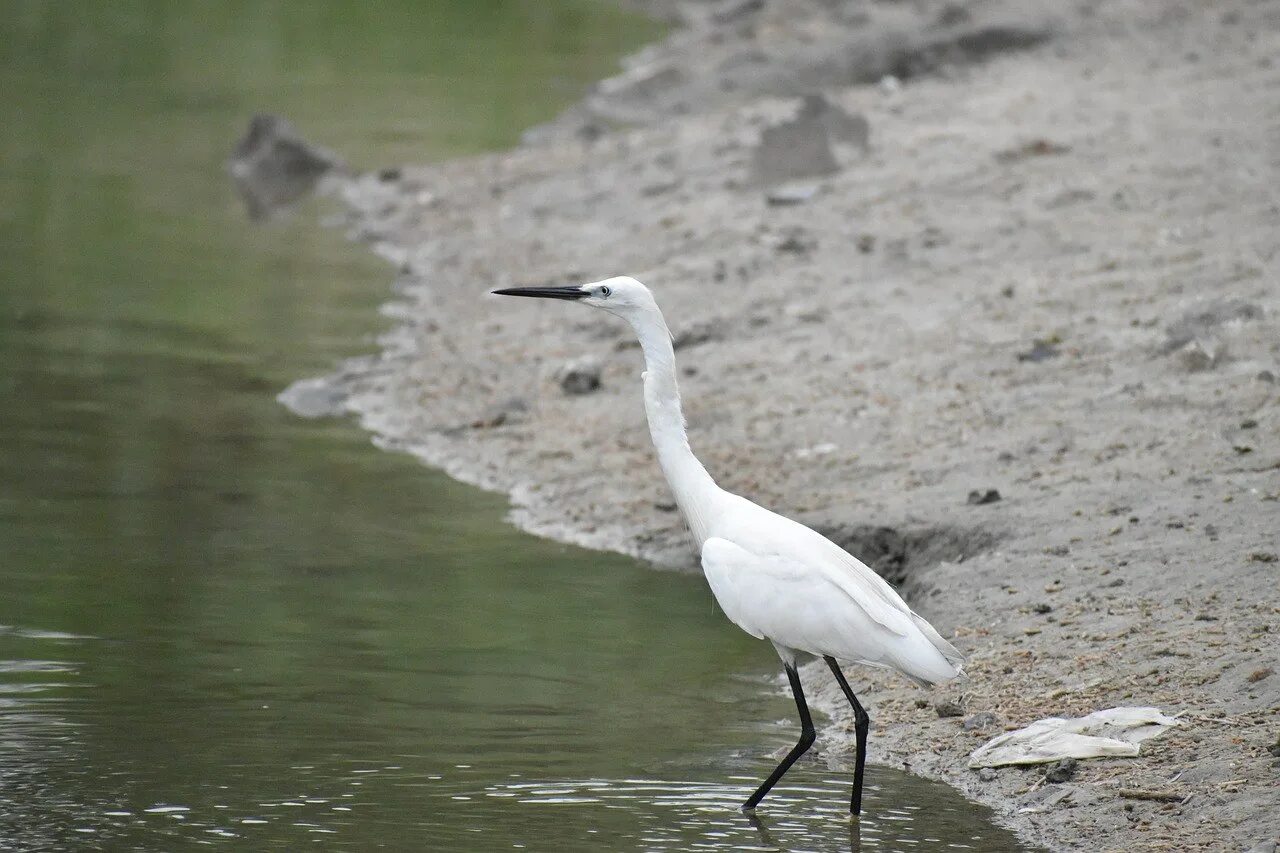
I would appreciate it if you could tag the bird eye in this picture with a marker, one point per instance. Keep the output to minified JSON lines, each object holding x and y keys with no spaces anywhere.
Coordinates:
{"x":605,"y":291}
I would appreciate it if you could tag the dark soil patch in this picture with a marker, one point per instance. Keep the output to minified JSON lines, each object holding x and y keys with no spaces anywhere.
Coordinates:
{"x":898,"y":554}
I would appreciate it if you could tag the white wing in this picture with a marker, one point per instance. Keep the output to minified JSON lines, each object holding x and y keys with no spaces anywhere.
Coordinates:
{"x":776,"y":578}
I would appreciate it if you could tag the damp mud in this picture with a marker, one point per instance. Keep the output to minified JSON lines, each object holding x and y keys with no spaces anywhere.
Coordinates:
{"x":987,"y":293}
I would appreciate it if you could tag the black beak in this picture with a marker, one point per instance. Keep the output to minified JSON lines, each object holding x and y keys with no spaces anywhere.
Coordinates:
{"x":544,"y":292}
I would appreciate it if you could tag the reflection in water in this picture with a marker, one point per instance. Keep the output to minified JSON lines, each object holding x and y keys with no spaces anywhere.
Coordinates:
{"x":766,"y":837}
{"x":34,"y":728}
{"x":273,"y":167}
{"x":689,"y":814}
{"x":231,"y":626}
{"x":855,"y":835}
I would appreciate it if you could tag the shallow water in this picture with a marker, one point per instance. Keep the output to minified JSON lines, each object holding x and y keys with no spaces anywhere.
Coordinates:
{"x":221,"y":624}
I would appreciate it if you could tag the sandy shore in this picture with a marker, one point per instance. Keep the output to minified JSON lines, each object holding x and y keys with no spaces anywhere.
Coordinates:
{"x":1051,"y":273}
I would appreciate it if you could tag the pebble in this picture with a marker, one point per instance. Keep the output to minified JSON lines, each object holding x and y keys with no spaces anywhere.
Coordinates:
{"x":947,"y":708}
{"x":1194,"y":326}
{"x":796,"y":244}
{"x":979,"y":721}
{"x":793,"y":150}
{"x":314,"y":398}
{"x":1040,"y":351}
{"x":841,"y":125}
{"x":731,"y":11}
{"x":889,"y":85}
{"x":506,"y":411}
{"x":1061,"y":771}
{"x":580,"y":377}
{"x":699,"y":333}
{"x":1201,"y":355}
{"x":790,"y":194}
{"x":273,"y":166}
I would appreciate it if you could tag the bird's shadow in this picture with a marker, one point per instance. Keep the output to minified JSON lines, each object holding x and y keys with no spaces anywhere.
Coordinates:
{"x":770,"y":842}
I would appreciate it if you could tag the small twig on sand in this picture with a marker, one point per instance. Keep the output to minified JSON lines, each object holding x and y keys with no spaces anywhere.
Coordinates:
{"x":1222,"y":721}
{"x":1155,"y":796}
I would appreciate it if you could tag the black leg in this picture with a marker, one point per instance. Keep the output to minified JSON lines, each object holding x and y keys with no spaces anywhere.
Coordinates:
{"x":861,"y":724}
{"x":807,"y":737}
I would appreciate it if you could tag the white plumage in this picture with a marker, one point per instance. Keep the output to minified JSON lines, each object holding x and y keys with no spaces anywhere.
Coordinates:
{"x":773,"y":577}
{"x":778,"y":580}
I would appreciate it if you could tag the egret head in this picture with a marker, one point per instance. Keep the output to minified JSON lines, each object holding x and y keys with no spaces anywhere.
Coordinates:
{"x":622,"y":296}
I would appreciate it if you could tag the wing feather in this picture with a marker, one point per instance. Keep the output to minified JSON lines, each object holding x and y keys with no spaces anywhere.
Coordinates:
{"x":770,"y":596}
{"x":776,"y":578}
{"x":770,"y":534}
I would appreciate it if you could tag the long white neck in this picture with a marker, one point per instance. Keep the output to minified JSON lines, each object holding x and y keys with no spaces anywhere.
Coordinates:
{"x":692,"y":486}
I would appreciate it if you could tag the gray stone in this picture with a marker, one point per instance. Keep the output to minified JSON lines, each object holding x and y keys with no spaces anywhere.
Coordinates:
{"x":274,"y":167}
{"x":841,"y":126}
{"x":731,"y":11}
{"x":1202,"y":354}
{"x":796,"y":243}
{"x":1061,"y":771}
{"x":1196,"y":337}
{"x":790,"y":194}
{"x":1041,"y":350}
{"x":580,"y":377}
{"x":699,"y":333}
{"x":979,"y":721}
{"x":953,"y":14}
{"x":642,"y":83}
{"x":511,"y":410}
{"x":1043,"y":800}
{"x":793,"y":150}
{"x":1197,"y":323}
{"x":948,"y":708}
{"x":313,"y":398}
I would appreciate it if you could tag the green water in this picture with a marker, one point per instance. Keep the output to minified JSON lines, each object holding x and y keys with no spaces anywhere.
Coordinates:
{"x":221,"y":624}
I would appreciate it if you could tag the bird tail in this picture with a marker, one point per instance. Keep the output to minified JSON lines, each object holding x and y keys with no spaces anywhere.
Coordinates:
{"x":949,"y":651}
{"x":947,"y":663}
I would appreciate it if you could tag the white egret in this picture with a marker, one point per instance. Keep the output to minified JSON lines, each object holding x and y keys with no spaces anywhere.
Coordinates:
{"x":774,"y":578}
